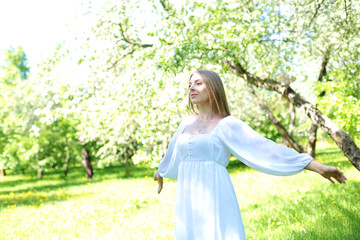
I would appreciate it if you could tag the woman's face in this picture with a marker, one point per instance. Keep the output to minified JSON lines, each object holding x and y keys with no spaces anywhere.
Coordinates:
{"x":197,"y":90}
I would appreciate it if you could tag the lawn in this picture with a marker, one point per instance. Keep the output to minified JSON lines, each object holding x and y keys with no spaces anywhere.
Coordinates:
{"x":110,"y":206}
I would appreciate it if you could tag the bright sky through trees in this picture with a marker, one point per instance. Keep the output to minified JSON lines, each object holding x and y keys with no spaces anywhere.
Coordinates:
{"x":38,"y":25}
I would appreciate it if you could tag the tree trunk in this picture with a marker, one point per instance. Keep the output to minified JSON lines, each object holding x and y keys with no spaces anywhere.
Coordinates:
{"x":67,"y":163}
{"x":292,"y":122}
{"x":3,"y":172}
{"x":342,"y":139}
{"x":312,"y":140}
{"x":128,"y":155}
{"x":87,"y":163}
{"x":39,"y":170}
{"x":293,"y":118}
{"x":127,"y":168}
{"x":40,"y":173}
{"x":311,"y":149}
{"x":287,"y":137}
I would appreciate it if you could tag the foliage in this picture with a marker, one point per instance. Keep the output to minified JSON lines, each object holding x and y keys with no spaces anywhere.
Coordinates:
{"x":15,"y":67}
{"x":37,"y":134}
{"x":122,"y":89}
{"x":11,"y":113}
{"x":277,"y":39}
{"x":342,"y":99}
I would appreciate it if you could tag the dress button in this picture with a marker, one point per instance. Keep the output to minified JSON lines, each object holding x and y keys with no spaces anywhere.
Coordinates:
{"x":190,"y":147}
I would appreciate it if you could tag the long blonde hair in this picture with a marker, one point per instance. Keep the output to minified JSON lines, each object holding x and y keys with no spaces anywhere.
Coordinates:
{"x":216,"y":92}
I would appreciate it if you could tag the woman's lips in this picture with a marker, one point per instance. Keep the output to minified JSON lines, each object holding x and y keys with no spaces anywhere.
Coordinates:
{"x":193,"y":95}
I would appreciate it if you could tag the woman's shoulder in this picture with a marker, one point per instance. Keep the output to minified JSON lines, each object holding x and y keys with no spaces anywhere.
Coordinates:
{"x":230,"y":122}
{"x":226,"y":122}
{"x":188,"y":119}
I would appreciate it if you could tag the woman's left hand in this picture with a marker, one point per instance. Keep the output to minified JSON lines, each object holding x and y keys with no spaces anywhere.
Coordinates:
{"x":327,"y":171}
{"x":330,"y":172}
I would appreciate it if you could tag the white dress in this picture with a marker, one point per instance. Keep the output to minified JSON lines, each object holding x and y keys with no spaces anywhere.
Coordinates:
{"x":206,"y":205}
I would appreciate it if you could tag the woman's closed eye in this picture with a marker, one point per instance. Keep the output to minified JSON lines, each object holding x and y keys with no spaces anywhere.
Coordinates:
{"x":197,"y":83}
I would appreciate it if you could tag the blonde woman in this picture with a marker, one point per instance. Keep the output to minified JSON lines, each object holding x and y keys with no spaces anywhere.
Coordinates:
{"x":197,"y":156}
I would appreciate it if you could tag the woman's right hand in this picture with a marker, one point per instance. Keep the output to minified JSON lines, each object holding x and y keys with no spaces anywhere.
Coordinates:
{"x":158,"y":178}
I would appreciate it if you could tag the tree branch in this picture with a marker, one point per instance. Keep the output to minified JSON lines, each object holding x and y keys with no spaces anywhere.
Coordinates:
{"x":324,"y":63}
{"x":316,"y":13}
{"x":290,"y":141}
{"x":313,"y":129}
{"x":113,"y":65}
{"x":340,"y":137}
{"x":132,"y":42}
{"x":166,"y":5}
{"x":346,"y":13}
{"x":293,"y":118}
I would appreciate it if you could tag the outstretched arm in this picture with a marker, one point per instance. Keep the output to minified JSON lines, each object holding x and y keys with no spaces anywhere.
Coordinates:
{"x":327,"y":171}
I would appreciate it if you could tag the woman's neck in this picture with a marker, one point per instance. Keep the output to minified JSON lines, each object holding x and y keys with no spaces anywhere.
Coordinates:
{"x":205,"y":112}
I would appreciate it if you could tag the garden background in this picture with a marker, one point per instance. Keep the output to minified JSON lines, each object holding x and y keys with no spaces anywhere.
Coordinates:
{"x":83,"y":128}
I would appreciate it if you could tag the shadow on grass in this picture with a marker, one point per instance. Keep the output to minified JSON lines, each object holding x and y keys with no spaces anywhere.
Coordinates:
{"x":326,"y":151}
{"x":13,"y":189}
{"x":118,"y":172}
{"x":34,"y":198}
{"x":28,"y":190}
{"x":76,"y":174}
{"x":319,"y":216}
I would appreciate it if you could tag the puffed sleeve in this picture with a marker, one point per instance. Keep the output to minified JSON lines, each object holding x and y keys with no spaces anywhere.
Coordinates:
{"x":259,"y":152}
{"x":168,"y":167}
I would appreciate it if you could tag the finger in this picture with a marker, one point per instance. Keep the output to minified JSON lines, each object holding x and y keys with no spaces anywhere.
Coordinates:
{"x":343,"y":178}
{"x":160,"y":185}
{"x":339,"y":180}
{"x":342,"y":174}
{"x":331,"y":180}
{"x":160,"y":188}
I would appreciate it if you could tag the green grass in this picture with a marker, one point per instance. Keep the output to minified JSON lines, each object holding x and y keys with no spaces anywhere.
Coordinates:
{"x":110,"y":206}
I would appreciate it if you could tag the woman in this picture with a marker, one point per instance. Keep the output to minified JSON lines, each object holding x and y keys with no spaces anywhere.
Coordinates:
{"x":197,"y":156}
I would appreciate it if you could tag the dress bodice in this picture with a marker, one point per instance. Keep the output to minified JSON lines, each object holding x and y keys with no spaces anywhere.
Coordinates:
{"x":230,"y":136}
{"x":202,"y":148}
